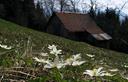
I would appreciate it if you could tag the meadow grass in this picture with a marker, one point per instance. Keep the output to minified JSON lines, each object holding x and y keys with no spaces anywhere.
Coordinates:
{"x":27,"y":43}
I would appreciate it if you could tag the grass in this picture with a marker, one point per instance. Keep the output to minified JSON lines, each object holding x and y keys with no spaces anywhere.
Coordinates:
{"x":26,"y":41}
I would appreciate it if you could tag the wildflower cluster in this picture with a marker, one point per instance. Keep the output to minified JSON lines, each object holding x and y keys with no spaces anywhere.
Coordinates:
{"x":58,"y":62}
{"x":75,"y":60}
{"x":97,"y":72}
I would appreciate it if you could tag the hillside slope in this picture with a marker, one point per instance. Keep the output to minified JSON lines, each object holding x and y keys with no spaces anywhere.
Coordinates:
{"x":13,"y":35}
{"x":13,"y":32}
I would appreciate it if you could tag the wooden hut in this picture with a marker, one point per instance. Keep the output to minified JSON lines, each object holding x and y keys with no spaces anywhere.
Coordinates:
{"x":75,"y":26}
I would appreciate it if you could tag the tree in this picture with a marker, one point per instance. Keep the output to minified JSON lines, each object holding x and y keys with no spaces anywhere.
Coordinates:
{"x":2,"y":10}
{"x":24,"y":12}
{"x":121,"y":8}
{"x":63,"y":4}
{"x":48,"y":6}
{"x":74,"y":4}
{"x":93,"y":8}
{"x":41,"y":20}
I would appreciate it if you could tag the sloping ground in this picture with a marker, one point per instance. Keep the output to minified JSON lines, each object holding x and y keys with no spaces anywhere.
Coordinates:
{"x":24,"y":40}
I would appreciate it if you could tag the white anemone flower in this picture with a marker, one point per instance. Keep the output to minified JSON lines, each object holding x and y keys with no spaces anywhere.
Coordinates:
{"x":56,"y":63}
{"x":69,"y":61}
{"x":77,"y":63}
{"x":77,"y":56}
{"x":51,"y":47}
{"x":90,"y":55}
{"x":55,"y":51}
{"x":44,"y":54}
{"x":40,"y":60}
{"x":97,"y":72}
{"x":8,"y":48}
{"x":5,"y":47}
{"x":113,"y":70}
{"x":126,"y":66}
{"x":74,"y":60}
{"x":108,"y":74}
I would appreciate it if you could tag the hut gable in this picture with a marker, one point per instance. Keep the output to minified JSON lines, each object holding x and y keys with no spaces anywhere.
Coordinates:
{"x":76,"y":23}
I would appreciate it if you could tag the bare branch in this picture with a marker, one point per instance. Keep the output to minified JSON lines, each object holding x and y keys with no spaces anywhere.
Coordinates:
{"x":122,"y":7}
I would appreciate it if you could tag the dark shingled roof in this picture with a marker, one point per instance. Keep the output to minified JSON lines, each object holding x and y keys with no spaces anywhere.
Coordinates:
{"x":80,"y":23}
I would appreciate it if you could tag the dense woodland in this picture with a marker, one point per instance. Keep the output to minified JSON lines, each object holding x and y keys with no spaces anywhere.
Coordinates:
{"x":23,"y":12}
{"x":35,"y":16}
